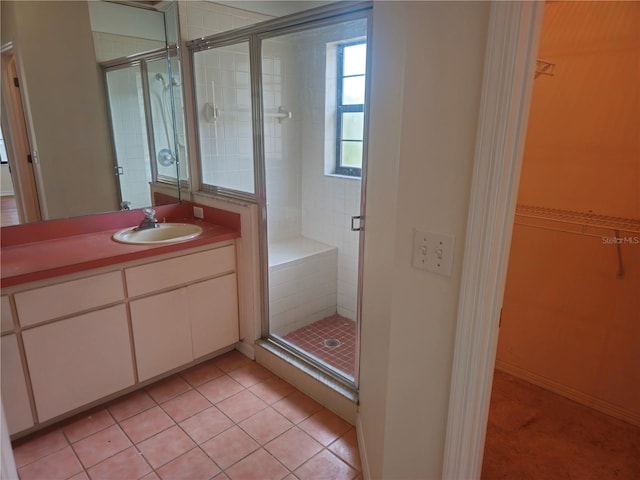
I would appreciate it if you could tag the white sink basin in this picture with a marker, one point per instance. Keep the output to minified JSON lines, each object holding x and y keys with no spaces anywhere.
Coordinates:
{"x":165,"y":233}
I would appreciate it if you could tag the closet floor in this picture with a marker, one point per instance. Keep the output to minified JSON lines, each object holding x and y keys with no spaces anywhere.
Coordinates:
{"x":536,"y":434}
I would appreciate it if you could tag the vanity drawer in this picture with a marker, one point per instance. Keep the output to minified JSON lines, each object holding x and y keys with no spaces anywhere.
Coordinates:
{"x":181,"y":270}
{"x":54,"y":301}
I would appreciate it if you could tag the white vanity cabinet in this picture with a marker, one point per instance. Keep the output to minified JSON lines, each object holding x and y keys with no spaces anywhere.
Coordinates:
{"x":161,"y":332}
{"x":15,"y":398}
{"x":76,"y":341}
{"x":78,"y":360}
{"x":73,"y":341}
{"x":213,"y":302}
{"x":191,"y":319}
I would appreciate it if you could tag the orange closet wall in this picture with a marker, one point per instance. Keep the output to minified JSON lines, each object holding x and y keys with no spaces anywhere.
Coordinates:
{"x":568,"y":323}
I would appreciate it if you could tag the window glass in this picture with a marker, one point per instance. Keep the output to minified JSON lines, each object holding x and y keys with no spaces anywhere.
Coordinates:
{"x":352,"y":126}
{"x":352,"y":154}
{"x":353,"y":90}
{"x":355,"y":59}
{"x":351,"y":74}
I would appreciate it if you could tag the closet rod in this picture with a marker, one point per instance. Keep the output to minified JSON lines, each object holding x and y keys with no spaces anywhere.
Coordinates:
{"x":579,"y":219}
{"x":562,"y":230}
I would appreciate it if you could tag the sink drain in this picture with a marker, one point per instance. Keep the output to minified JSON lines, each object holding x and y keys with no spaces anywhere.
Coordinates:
{"x":332,"y":343}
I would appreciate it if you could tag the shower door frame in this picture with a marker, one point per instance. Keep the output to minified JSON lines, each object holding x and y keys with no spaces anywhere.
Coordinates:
{"x":254,"y":35}
{"x":140,"y":60}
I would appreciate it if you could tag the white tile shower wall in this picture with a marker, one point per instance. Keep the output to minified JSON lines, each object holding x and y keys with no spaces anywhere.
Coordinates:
{"x":222,"y":81}
{"x":302,"y":291}
{"x":130,"y":136}
{"x":301,"y":200}
{"x":328,"y":202}
{"x":162,"y":118}
{"x":282,"y":140}
{"x":201,"y":19}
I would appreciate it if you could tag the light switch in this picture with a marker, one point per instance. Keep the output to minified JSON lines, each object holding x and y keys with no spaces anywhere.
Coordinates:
{"x":198,"y":212}
{"x":433,"y":252}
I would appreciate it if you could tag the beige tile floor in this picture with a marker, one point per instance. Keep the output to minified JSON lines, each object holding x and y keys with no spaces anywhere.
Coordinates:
{"x":225,"y":418}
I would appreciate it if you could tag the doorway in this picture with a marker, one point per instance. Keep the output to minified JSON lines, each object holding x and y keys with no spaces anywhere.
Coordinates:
{"x":19,"y":158}
{"x":574,"y":265}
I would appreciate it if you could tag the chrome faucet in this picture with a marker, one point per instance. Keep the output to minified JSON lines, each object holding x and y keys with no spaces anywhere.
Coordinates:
{"x":149,"y":220}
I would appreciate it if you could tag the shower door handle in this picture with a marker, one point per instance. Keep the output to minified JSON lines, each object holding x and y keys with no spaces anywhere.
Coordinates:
{"x":360,"y":226}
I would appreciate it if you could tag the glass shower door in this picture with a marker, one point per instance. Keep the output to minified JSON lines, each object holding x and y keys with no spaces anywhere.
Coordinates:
{"x":313,"y":90}
{"x":130,"y":137}
{"x":225,"y":130}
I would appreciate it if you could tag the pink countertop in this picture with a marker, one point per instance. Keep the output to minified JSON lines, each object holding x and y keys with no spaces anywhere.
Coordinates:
{"x":59,"y":247}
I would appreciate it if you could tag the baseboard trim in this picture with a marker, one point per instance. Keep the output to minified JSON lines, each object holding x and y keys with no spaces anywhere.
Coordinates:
{"x":568,"y":392}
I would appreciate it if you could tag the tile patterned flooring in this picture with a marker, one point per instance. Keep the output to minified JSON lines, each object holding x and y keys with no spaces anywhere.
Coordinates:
{"x":227,"y":418}
{"x":8,"y":211}
{"x":311,"y":338}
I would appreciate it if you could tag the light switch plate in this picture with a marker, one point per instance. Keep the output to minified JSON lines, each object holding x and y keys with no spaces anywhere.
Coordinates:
{"x":433,"y":252}
{"x":198,"y":212}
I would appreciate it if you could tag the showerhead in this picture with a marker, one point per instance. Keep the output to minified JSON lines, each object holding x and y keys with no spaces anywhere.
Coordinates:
{"x":160,"y":77}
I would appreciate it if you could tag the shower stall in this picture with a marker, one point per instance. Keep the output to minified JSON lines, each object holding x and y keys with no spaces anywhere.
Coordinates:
{"x":282,"y":121}
{"x":143,"y":95}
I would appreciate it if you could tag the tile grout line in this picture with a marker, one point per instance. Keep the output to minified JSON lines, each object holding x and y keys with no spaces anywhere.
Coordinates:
{"x":192,"y":387}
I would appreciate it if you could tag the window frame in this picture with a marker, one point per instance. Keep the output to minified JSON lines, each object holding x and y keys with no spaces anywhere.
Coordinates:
{"x":350,"y":108}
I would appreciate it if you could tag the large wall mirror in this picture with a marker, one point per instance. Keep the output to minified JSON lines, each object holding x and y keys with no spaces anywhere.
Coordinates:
{"x":95,"y":118}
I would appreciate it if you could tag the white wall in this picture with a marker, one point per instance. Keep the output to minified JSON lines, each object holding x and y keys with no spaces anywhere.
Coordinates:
{"x":283,"y":146}
{"x":427,"y":72}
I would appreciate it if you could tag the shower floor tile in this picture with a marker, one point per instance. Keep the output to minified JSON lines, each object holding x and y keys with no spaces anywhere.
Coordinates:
{"x":311,"y":339}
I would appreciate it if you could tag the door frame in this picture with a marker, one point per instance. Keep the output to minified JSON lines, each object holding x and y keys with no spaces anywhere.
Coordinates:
{"x":512,"y":47}
{"x":19,"y":146}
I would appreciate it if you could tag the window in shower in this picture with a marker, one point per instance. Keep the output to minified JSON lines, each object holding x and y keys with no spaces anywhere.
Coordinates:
{"x":351,"y":65}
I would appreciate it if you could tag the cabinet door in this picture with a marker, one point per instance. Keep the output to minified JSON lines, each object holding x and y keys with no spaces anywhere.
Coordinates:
{"x":213,"y":306}
{"x":6,"y":320}
{"x":75,"y":361}
{"x":15,"y":398}
{"x":161,"y":332}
